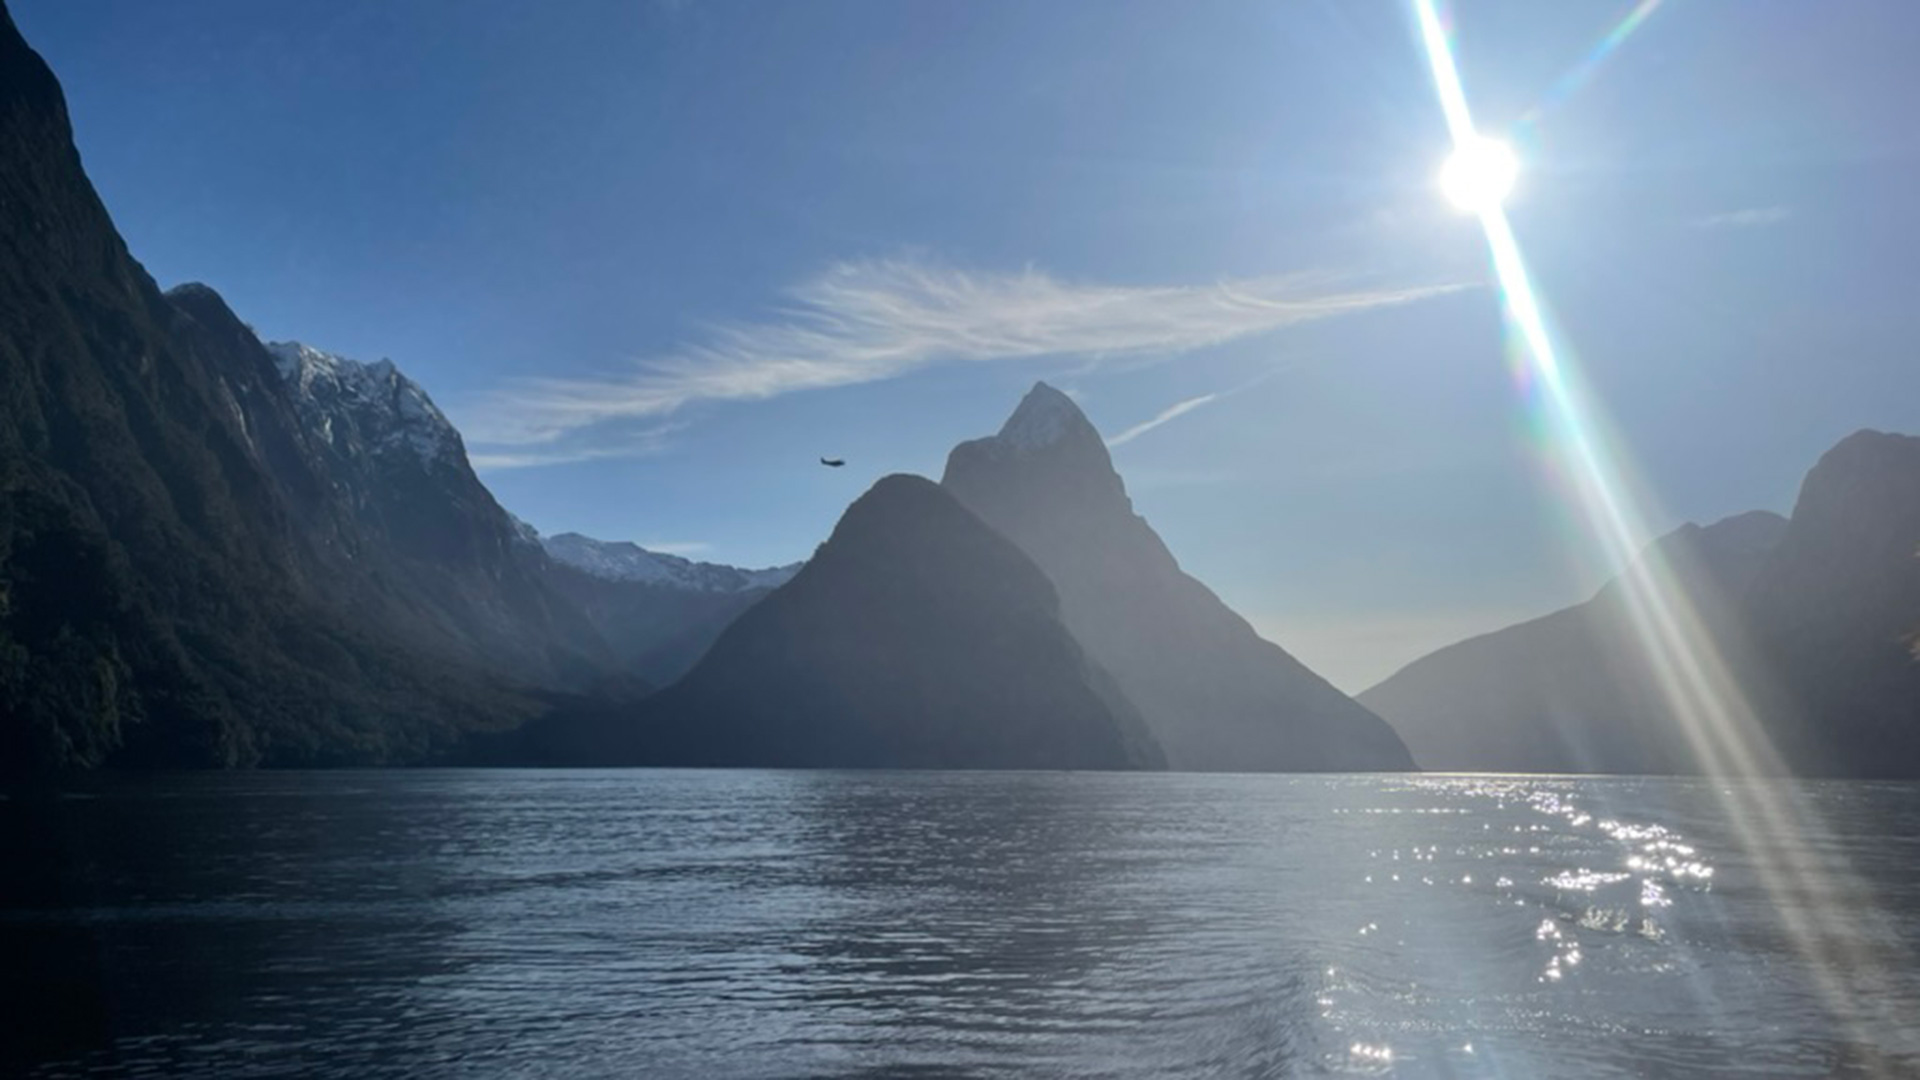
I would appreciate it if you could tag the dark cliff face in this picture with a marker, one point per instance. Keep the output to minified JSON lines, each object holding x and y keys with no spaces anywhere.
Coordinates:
{"x":915,"y":638}
{"x":1215,"y":694}
{"x":1574,"y":691}
{"x":169,"y":544}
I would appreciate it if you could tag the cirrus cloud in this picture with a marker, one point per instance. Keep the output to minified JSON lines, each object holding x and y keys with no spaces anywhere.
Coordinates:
{"x":869,"y":320}
{"x":1753,"y":217}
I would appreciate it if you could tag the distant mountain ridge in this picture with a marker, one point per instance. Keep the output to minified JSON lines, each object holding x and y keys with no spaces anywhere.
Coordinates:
{"x":658,"y":612}
{"x":1816,"y":614}
{"x":1573,"y":691}
{"x":623,"y":560}
{"x":1215,"y":695}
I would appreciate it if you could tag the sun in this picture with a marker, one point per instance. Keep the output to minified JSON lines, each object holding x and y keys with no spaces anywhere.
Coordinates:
{"x":1479,"y":175}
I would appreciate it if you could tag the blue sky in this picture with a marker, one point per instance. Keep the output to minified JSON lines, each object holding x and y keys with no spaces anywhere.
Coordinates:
{"x":656,"y":258}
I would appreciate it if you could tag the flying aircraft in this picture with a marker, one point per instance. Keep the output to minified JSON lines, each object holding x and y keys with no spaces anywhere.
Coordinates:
{"x":833,"y":463}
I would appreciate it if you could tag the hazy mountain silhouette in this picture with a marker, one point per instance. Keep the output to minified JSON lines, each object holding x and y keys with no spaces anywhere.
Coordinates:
{"x":1214,"y":693}
{"x":1573,"y":691}
{"x":916,"y":637}
{"x":1816,"y":616}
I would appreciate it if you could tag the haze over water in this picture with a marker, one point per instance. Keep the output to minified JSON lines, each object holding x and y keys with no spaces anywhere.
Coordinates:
{"x":764,"y":924}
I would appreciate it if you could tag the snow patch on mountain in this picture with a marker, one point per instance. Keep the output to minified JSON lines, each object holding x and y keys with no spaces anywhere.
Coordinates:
{"x":627,"y":561}
{"x":384,"y":409}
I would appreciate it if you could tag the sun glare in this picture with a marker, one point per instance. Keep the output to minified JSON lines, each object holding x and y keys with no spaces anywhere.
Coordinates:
{"x":1778,"y":827}
{"x":1479,"y":175}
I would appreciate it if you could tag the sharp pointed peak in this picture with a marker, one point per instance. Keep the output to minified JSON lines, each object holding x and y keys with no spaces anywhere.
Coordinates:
{"x":1045,"y":416}
{"x":1046,"y":391}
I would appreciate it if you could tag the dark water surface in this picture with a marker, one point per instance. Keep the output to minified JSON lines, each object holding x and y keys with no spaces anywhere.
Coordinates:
{"x":762,"y":924}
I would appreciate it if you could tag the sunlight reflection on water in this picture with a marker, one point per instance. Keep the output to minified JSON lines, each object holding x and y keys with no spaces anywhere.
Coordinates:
{"x":747,"y":924}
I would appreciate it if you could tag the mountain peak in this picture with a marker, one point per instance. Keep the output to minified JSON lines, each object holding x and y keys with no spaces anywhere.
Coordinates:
{"x":1046,"y":416}
{"x":1047,"y":449}
{"x":388,"y":410}
{"x":1214,"y":694}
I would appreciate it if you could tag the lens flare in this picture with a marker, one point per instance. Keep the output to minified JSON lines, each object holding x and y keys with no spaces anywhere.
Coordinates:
{"x":1479,"y":175}
{"x":1719,"y":723}
{"x":1580,"y":73}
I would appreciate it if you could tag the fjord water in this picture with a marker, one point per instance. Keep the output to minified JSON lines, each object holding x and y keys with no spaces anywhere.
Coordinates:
{"x":777,"y":924}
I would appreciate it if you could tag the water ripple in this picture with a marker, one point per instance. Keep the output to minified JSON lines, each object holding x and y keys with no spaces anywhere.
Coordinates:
{"x":927,"y":925}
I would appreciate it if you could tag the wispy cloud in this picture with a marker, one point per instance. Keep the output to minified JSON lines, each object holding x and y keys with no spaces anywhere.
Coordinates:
{"x":878,"y":319}
{"x":1171,"y":412}
{"x":1182,"y":408}
{"x":1754,"y":217}
{"x":566,"y":449}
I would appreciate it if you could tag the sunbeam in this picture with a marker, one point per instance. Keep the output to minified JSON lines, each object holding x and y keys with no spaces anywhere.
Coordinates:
{"x":1718,"y":719}
{"x":1578,"y":75}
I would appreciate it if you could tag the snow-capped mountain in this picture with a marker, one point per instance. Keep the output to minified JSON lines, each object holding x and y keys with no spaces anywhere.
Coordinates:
{"x":454,"y":560}
{"x":627,"y":561}
{"x":351,"y":405}
{"x":402,"y":467}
